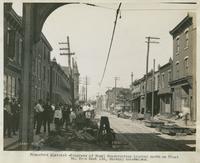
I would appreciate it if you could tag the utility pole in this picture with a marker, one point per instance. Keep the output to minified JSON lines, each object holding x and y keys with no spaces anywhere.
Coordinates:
{"x":69,"y":54}
{"x":153,"y":87}
{"x":147,"y":64}
{"x":116,"y":78}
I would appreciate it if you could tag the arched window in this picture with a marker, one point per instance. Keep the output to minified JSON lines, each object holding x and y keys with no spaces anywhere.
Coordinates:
{"x":177,"y":69}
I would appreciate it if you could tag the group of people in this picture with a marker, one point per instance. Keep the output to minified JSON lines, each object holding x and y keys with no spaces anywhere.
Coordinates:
{"x":46,"y":113}
{"x":11,"y":116}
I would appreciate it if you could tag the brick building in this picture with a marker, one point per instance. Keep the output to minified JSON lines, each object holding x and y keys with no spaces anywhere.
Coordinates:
{"x":76,"y":75}
{"x":183,"y":83}
{"x":75,"y":79}
{"x":118,"y":97}
{"x":41,"y":69}
{"x":165,"y":94}
{"x":59,"y":85}
{"x":13,"y":62}
{"x":136,"y":95}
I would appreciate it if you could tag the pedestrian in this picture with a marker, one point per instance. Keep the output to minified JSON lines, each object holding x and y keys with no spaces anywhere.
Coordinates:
{"x":7,"y":117}
{"x":72,"y":118}
{"x":39,"y":109}
{"x":57,"y":118}
{"x":66,"y":114}
{"x":52,"y":113}
{"x":18,"y":107}
{"x":47,"y":115}
{"x":14,"y":110}
{"x":35,"y":116}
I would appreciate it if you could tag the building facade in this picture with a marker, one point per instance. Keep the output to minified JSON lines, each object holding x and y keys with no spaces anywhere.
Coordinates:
{"x":136,"y":95}
{"x":76,"y":75}
{"x":59,"y":85}
{"x":118,"y":98}
{"x":165,"y":94}
{"x":41,"y":69}
{"x":183,"y":83}
{"x":13,"y":59}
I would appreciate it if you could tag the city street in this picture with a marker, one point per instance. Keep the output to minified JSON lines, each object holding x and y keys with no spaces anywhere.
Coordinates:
{"x":134,"y":136}
{"x":55,"y":97}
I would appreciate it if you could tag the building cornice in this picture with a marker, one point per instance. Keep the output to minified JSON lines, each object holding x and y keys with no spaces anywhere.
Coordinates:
{"x":187,"y":20}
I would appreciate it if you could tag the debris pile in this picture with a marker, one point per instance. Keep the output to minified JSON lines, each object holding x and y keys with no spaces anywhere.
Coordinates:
{"x":68,"y":138}
{"x":154,"y":123}
{"x":176,"y":130}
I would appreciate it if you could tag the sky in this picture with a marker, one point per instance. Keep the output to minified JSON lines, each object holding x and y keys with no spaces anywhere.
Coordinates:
{"x":90,"y":28}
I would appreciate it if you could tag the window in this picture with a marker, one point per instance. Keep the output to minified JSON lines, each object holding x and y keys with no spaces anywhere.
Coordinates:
{"x":177,"y":44}
{"x":36,"y":97}
{"x":20,"y":51}
{"x":169,"y":75}
{"x":44,"y":73}
{"x":186,"y":38}
{"x":11,"y":44}
{"x":167,"y":100}
{"x":8,"y":37}
{"x":56,"y":79}
{"x":158,"y":81}
{"x":13,"y":87}
{"x":38,"y":68}
{"x":48,"y":56}
{"x":48,"y":76}
{"x":177,"y":69}
{"x":186,"y":65}
{"x":163,"y":80}
{"x":5,"y":85}
{"x":44,"y":52}
{"x":9,"y":86}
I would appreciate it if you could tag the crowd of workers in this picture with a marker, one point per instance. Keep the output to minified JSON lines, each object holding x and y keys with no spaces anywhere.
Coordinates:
{"x":11,"y":116}
{"x":62,"y":115}
{"x":45,"y":113}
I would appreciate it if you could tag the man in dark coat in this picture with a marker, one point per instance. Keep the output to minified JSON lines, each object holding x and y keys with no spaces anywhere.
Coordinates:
{"x":47,"y":115}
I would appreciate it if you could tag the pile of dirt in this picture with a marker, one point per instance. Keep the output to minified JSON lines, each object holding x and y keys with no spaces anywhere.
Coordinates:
{"x":65,"y":138}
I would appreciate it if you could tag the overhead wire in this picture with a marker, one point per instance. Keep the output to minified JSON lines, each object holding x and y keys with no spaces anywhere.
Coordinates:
{"x":111,"y":42}
{"x":117,"y":13}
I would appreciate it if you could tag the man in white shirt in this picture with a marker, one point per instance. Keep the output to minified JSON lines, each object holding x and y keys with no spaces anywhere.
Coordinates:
{"x":39,"y":110}
{"x":57,"y":117}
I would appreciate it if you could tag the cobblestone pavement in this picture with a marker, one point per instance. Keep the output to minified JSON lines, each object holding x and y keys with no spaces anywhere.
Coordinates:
{"x":135,"y":136}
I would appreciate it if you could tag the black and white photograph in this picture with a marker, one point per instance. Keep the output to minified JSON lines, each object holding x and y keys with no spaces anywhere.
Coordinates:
{"x":100,"y":76}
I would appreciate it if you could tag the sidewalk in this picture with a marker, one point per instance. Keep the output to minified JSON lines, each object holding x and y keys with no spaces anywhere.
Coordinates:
{"x":11,"y":143}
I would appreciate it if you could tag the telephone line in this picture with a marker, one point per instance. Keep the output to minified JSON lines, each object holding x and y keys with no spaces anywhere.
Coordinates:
{"x":117,"y":12}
